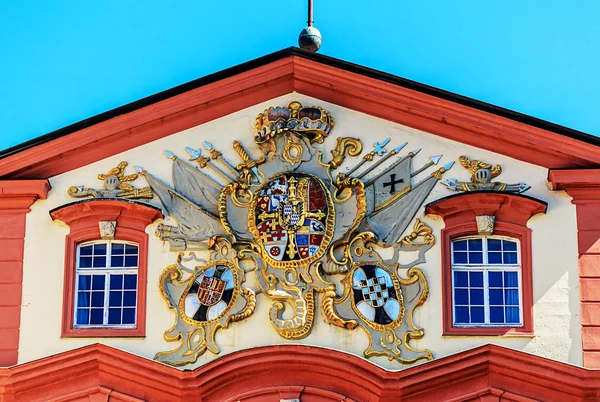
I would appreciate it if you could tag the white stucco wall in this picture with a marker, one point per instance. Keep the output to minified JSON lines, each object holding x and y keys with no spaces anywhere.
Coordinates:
{"x":555,"y":275}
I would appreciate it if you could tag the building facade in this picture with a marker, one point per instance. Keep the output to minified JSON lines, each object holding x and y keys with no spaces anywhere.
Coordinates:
{"x":300,"y":228}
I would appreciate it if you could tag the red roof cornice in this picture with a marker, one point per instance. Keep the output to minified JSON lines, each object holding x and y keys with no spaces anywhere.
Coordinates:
{"x":283,"y":370}
{"x":364,"y":90}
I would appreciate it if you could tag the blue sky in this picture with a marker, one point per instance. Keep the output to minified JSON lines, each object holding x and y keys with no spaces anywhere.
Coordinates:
{"x":64,"y":61}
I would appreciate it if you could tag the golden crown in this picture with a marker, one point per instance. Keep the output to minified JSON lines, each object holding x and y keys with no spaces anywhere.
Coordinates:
{"x":312,"y":120}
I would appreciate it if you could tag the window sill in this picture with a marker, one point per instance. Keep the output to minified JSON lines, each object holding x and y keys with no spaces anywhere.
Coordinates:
{"x":103,"y":333}
{"x":496,"y":332}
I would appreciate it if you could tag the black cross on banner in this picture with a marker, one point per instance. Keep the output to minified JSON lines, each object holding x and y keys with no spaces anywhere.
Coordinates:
{"x":392,"y":183}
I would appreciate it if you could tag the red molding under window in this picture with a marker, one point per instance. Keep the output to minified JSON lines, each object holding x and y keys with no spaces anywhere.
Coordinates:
{"x":83,"y":218}
{"x":512,"y":213}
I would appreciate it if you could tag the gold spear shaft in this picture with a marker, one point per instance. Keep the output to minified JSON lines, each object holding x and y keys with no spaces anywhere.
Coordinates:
{"x":433,"y":160}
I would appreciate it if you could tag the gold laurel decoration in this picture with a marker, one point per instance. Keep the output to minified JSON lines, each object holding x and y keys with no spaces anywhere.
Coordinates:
{"x":419,"y":230}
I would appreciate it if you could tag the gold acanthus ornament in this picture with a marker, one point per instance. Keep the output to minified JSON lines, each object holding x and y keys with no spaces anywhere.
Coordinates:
{"x":289,"y":219}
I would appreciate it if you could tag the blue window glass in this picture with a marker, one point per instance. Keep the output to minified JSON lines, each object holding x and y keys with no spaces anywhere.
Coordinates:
{"x":118,"y":248}
{"x":97,"y":299}
{"x":475,"y":245}
{"x":86,"y":250}
{"x":497,"y":315}
{"x":496,"y":298}
{"x":476,"y":258}
{"x":495,"y":279}
{"x":476,"y":297}
{"x":511,"y":279}
{"x":115,"y":299}
{"x":460,"y":245}
{"x":460,"y":257}
{"x":100,"y":249}
{"x":130,"y":281}
{"x":83,"y":299}
{"x":494,"y":245}
{"x":512,"y":315}
{"x":511,"y":297}
{"x":117,"y":261}
{"x":461,"y":279}
{"x":477,"y":315}
{"x":98,"y":282}
{"x":461,"y":297}
{"x":476,"y":279}
{"x":84,"y":282}
{"x":114,"y":316}
{"x":131,"y":261}
{"x":461,"y":315}
{"x":510,"y":258}
{"x":83,"y":316}
{"x":116,"y":282}
{"x":510,"y":245}
{"x":128,"y":316}
{"x":85,"y":262}
{"x":97,"y":316}
{"x":494,"y":257}
{"x":129,"y":298}
{"x":129,"y":249}
{"x":99,"y":262}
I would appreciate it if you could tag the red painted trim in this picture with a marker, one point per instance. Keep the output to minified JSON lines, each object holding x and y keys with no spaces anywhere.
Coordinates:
{"x":512,"y":213}
{"x":16,"y":198}
{"x":584,"y":187}
{"x":355,"y":91}
{"x":83,"y":218}
{"x":311,"y":373}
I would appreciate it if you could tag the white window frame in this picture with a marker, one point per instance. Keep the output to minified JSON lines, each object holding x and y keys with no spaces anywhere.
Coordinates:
{"x":485,"y":267}
{"x":106,"y":271}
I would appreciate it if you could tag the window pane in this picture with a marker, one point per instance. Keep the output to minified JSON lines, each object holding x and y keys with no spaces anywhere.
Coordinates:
{"x":461,"y":279}
{"x":495,"y":279}
{"x":494,"y":245}
{"x":496,"y":297}
{"x":98,"y":299}
{"x":476,"y":296}
{"x":117,"y":261}
{"x":511,"y":279}
{"x":97,"y":315}
{"x":511,"y":297}
{"x":85,"y":250}
{"x":476,"y":258}
{"x":85,"y":282}
{"x":83,"y":316}
{"x":129,"y":316}
{"x":460,"y":257}
{"x":495,"y":257}
{"x":476,"y":279}
{"x":460,"y":245}
{"x":130,"y":281}
{"x":129,"y":298}
{"x":83,"y":299}
{"x":115,"y":299}
{"x":98,"y":282}
{"x":116,"y":282}
{"x":85,"y":262}
{"x":462,"y":315}
{"x":99,"y":262}
{"x":461,"y":296}
{"x":510,"y":245}
{"x":475,"y":245}
{"x":100,"y":249}
{"x":477,"y":316}
{"x":114,"y":316}
{"x":118,"y":248}
{"x":131,"y":261}
{"x":512,"y":315}
{"x":510,"y":258}
{"x":496,"y":315}
{"x":129,"y":249}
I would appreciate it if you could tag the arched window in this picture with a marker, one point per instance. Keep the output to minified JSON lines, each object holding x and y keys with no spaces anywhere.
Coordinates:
{"x":106,"y":284}
{"x":486,"y":282}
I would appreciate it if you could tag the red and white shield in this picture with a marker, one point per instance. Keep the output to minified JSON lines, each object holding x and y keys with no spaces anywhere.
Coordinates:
{"x":210,"y":291}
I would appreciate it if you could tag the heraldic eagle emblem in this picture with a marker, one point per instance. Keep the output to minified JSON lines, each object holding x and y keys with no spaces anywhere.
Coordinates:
{"x":295,"y":220}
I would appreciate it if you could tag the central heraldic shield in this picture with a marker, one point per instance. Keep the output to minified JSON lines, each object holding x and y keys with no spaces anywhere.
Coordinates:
{"x":292,"y":219}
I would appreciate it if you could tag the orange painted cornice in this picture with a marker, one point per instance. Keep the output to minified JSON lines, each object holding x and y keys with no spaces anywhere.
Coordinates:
{"x":289,"y":368}
{"x":347,"y":85}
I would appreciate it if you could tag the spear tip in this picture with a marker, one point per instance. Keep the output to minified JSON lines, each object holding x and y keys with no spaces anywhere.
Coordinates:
{"x":435,"y":159}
